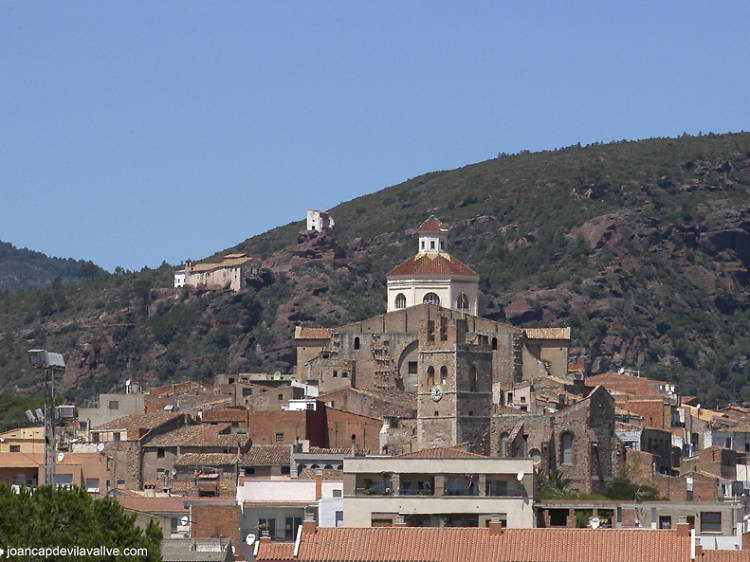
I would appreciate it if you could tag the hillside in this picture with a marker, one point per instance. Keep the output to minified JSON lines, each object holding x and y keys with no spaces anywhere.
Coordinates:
{"x":22,"y":269}
{"x":641,"y":247}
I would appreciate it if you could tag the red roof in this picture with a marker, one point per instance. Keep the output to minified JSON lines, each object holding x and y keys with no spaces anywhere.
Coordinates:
{"x":434,"y":544}
{"x":432,"y":225}
{"x":441,"y":453}
{"x":724,"y":556}
{"x":169,"y":504}
{"x":432,"y":265}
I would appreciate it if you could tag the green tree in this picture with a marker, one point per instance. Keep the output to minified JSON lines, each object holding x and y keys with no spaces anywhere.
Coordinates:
{"x":70,"y":518}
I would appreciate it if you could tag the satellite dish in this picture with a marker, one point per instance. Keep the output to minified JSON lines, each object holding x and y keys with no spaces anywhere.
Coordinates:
{"x":621,"y":370}
{"x":60,"y":457}
{"x":100,"y":447}
{"x":250,"y":539}
{"x":184,"y":520}
{"x":127,"y":382}
{"x":174,"y":472}
{"x":519,"y":476}
{"x":594,"y":522}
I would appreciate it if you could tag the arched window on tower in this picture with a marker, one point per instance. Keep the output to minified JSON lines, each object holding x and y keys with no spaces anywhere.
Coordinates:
{"x":430,"y":376}
{"x":356,"y":343}
{"x":494,"y":344}
{"x":431,"y":298}
{"x":401,"y":300}
{"x":462,"y":302}
{"x":443,"y":375}
{"x":566,"y":448}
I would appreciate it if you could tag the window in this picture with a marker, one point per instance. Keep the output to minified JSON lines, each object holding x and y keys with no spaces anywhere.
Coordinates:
{"x":494,"y":344}
{"x":400,"y":301}
{"x":412,"y":367}
{"x":92,"y":485}
{"x":15,"y":448}
{"x":337,"y":493}
{"x":473,"y":377}
{"x":117,"y":436}
{"x":281,"y":396}
{"x":431,"y":298}
{"x":173,"y":524}
{"x":279,"y":437}
{"x":63,"y":480}
{"x":356,"y":343}
{"x":345,"y":375}
{"x":247,"y":392}
{"x":267,"y":525}
{"x":285,"y":469}
{"x":436,"y":413}
{"x":121,"y":482}
{"x":160,"y":453}
{"x":249,"y":470}
{"x":114,"y":404}
{"x":665,"y":522}
{"x":423,"y":244}
{"x":567,"y":448}
{"x":462,"y":302}
{"x":430,"y":376}
{"x":497,"y":487}
{"x":290,"y":527}
{"x":311,"y":405}
{"x":442,"y":245}
{"x":443,"y":375}
{"x":335,"y":374}
{"x":710,"y":522}
{"x":432,"y":244}
{"x":339,"y":518}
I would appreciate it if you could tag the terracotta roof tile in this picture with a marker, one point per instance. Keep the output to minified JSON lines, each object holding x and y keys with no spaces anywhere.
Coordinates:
{"x":302,"y":333}
{"x":206,"y":459}
{"x":724,"y":556}
{"x":432,"y":224}
{"x":431,"y":265}
{"x":441,"y":453}
{"x":422,"y":544}
{"x":264,"y":455}
{"x":199,"y":435}
{"x":139,"y":421}
{"x":277,"y":550}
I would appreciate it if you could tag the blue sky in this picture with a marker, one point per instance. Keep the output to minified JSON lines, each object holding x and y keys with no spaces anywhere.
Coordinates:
{"x":136,"y":132}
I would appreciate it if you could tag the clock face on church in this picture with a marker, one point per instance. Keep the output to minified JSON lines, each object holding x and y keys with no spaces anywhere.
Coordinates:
{"x":437,"y":393}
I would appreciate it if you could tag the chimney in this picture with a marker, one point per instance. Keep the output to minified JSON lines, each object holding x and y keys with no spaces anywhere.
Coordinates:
{"x":683,"y":530}
{"x":318,"y":484}
{"x":495,"y":526}
{"x":308,"y":524}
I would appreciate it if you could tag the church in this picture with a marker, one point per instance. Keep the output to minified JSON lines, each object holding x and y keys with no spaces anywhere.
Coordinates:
{"x":488,"y":386}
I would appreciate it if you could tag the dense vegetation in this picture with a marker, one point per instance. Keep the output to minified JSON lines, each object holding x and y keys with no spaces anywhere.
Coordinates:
{"x":70,"y":518}
{"x":641,"y":247}
{"x":25,"y":269}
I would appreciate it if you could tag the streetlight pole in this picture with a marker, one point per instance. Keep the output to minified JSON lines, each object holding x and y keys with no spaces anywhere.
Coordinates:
{"x":50,"y":363}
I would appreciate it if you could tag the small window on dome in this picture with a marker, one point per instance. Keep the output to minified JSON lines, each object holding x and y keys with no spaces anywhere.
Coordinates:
{"x":400,"y":301}
{"x":431,"y":298}
{"x":432,"y":244}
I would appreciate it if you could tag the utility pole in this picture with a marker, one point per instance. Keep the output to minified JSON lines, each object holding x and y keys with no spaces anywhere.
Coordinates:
{"x":50,"y":363}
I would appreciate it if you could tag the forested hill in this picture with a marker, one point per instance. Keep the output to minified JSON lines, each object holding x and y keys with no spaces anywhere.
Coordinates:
{"x":21,"y":269}
{"x":641,"y":247}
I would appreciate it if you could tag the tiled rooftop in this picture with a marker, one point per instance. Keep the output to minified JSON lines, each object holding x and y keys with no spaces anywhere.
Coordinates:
{"x":225,"y":415}
{"x":432,"y":224}
{"x":424,"y":544}
{"x":433,"y":264}
{"x":441,"y":453}
{"x":139,"y":421}
{"x":265,"y":455}
{"x":206,"y":459}
{"x":199,"y":435}
{"x":327,"y":474}
{"x":302,"y":333}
